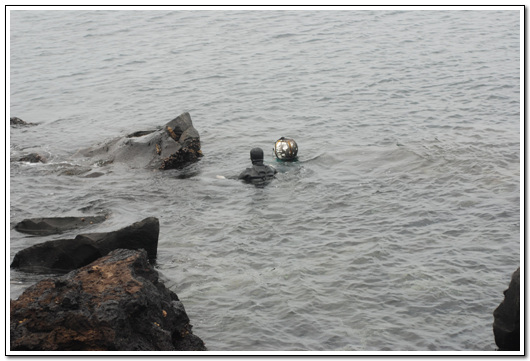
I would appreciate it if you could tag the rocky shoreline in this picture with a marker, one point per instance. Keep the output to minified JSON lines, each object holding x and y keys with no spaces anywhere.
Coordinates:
{"x":109,"y":296}
{"x":116,"y":303}
{"x":111,"y":299}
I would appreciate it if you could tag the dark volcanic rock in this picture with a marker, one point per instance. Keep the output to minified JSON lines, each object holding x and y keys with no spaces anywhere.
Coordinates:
{"x":64,"y":255}
{"x":507,"y":324}
{"x":33,"y":158}
{"x":114,"y":304}
{"x":175,"y":145}
{"x":55,"y":225}
{"x":17,"y":122}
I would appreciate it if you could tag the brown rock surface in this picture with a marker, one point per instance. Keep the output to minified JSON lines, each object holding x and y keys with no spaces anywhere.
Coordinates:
{"x":116,"y":303}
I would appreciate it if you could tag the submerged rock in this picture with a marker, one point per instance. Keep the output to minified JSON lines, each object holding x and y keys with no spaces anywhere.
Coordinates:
{"x":94,"y":175}
{"x":175,"y":145}
{"x":73,"y":170}
{"x":56,"y":225}
{"x":17,"y":122}
{"x":507,"y":320}
{"x":33,"y":158}
{"x":64,"y":255}
{"x":117,"y":303}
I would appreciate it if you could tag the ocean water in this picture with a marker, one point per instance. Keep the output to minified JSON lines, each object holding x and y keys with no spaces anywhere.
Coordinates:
{"x":397,"y":230}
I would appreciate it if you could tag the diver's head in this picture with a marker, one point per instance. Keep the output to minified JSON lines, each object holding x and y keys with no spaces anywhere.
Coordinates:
{"x":256,"y":155}
{"x":285,"y":149}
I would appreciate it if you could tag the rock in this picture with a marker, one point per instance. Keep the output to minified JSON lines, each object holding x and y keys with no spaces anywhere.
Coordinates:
{"x":64,"y":255}
{"x":72,"y":170}
{"x":117,"y":303}
{"x":33,"y":158}
{"x":175,"y":145}
{"x":56,"y":225}
{"x":94,"y":175}
{"x":17,"y":122}
{"x":506,"y":324}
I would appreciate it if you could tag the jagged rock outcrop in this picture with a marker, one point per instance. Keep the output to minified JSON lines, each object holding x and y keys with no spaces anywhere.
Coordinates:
{"x":56,"y":225}
{"x":175,"y":145}
{"x":117,"y":303}
{"x":507,"y":320}
{"x":64,"y":255}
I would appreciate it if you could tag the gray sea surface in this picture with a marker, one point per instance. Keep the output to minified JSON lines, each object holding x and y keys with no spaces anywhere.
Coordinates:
{"x":397,"y":230}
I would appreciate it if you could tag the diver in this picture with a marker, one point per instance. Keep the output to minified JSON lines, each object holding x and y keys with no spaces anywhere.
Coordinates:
{"x":259,"y":174}
{"x":286,"y":149}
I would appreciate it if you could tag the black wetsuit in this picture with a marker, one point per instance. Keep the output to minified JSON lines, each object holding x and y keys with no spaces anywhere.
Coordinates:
{"x":259,"y":175}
